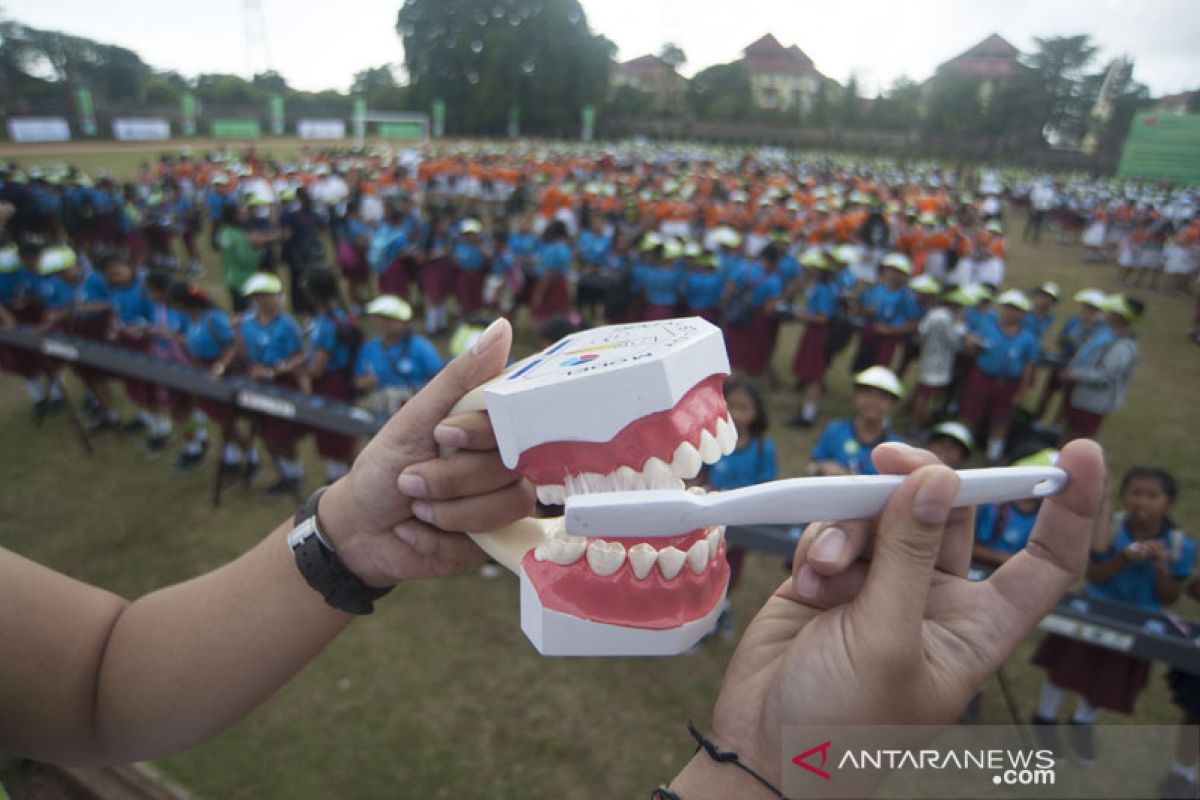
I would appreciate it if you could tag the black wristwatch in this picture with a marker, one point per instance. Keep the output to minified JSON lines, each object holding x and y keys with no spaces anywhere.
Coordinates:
{"x":321,"y":567}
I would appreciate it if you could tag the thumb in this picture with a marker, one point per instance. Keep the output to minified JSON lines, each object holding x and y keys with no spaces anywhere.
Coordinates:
{"x":483,"y":361}
{"x":907,"y":543}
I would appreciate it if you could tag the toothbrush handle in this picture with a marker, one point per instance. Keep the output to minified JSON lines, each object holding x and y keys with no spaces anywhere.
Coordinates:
{"x":860,"y":496}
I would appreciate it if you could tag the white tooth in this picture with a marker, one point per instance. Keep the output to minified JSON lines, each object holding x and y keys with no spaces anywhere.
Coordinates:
{"x":641,"y":559}
{"x":697,"y":489}
{"x":628,"y":479}
{"x":697,"y":555}
{"x":710,"y":451}
{"x":605,"y":558}
{"x":657,"y":474}
{"x":726,"y":436}
{"x":550,"y":495}
{"x":714,"y":537}
{"x":670,"y":561}
{"x":542,"y":551}
{"x":567,"y":550}
{"x":686,"y":461}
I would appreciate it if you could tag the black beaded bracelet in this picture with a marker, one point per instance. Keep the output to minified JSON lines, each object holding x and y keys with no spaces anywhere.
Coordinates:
{"x":663,"y":793}
{"x":729,"y":757}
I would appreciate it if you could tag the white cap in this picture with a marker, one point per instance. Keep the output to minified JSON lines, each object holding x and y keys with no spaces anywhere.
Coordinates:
{"x":897,"y":261}
{"x":956,"y":431}
{"x":56,"y":259}
{"x":390,"y":306}
{"x":470,"y":226}
{"x":881,"y":378}
{"x":1015,"y":298}
{"x":262,"y":283}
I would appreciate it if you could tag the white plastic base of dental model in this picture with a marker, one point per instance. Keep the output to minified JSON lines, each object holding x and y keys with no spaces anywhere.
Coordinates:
{"x":554,"y":633}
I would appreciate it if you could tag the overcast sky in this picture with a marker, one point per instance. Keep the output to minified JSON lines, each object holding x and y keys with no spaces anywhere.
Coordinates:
{"x":318,"y":44}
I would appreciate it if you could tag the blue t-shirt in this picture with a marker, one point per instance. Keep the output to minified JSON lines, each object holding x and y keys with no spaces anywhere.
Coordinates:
{"x":838,"y":443}
{"x":821,"y":299}
{"x":57,"y":293}
{"x":322,"y":335}
{"x":728,"y":264}
{"x":703,"y":289}
{"x":753,"y":274}
{"x":523,"y":245}
{"x":409,"y":362}
{"x":976,"y":320}
{"x":746,"y":466}
{"x":17,"y":287}
{"x":659,"y":284}
{"x":209,"y":335}
{"x":891,"y":307}
{"x":1099,"y":338}
{"x":553,"y":259}
{"x":593,"y":247}
{"x":1038,"y":326}
{"x":130,"y":303}
{"x":467,"y":256}
{"x":1003,"y":527}
{"x":788,"y":268}
{"x":272,"y":343}
{"x":1004,"y":356}
{"x":1134,"y":582}
{"x":355,"y":231}
{"x":502,"y":262}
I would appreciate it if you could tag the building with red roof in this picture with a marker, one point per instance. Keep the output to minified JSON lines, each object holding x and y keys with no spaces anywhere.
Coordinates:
{"x":781,"y":78}
{"x":656,"y":77}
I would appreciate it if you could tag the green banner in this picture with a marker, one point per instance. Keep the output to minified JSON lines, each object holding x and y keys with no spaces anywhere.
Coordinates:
{"x":514,"y":122}
{"x":236,"y":129}
{"x":87,"y":113}
{"x":407,"y":131}
{"x":587,"y":123}
{"x":276,"y":108}
{"x":1162,"y":147}
{"x":439,"y":118}
{"x":188,"y":106}
{"x":360,"y":117}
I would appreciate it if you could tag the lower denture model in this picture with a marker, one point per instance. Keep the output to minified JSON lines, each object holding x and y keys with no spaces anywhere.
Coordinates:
{"x":619,"y":408}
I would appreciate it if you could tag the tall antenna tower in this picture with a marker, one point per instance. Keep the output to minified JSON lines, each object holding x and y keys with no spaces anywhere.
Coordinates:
{"x":258,"y":52}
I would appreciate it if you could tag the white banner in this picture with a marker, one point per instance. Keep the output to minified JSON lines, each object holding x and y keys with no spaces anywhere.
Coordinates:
{"x":39,"y":129}
{"x":321,"y":129}
{"x":141,"y":129}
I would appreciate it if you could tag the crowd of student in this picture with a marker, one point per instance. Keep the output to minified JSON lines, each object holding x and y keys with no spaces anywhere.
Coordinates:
{"x":903,"y":267}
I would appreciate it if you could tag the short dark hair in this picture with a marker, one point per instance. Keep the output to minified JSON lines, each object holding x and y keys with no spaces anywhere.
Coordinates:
{"x":109,"y":259}
{"x":1165,"y":479}
{"x":741,"y":383}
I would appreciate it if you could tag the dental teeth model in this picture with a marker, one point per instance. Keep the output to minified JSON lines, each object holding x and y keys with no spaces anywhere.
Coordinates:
{"x":619,"y":408}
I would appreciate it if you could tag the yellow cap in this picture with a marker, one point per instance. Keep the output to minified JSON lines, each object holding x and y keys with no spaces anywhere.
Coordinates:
{"x":672,"y":249}
{"x":10,"y":259}
{"x":390,"y":306}
{"x":994,"y":226}
{"x":928,"y":219}
{"x":1118,"y":304}
{"x":650,"y":241}
{"x":925,"y":284}
{"x":1042,"y":458}
{"x":897,"y":261}
{"x":1015,"y":298}
{"x":56,"y":259}
{"x":470,"y":226}
{"x":959,"y":297}
{"x":1050,"y":288}
{"x":846,"y":253}
{"x":692,"y":249}
{"x":815,"y":257}
{"x":956,"y":431}
{"x":881,"y":378}
{"x":262,"y":283}
{"x":727,"y":236}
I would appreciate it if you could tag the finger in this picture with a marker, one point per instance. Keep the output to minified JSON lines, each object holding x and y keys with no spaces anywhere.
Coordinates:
{"x":831,"y":547}
{"x":822,"y":591}
{"x":907,"y":544}
{"x":1034,"y":579}
{"x":449,"y":552}
{"x":897,"y":458}
{"x":466,"y":432}
{"x":482,"y":362}
{"x":446,"y":478}
{"x":482,"y":512}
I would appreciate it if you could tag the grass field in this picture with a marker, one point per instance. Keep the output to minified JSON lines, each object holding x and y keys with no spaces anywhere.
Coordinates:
{"x":438,"y":695}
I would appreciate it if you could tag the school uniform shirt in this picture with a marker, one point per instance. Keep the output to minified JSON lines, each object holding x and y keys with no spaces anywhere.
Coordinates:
{"x":1004,"y":356}
{"x":1038,"y":326}
{"x":728,"y":264}
{"x":273,"y":342}
{"x":1134,"y":583}
{"x":891,"y":307}
{"x":130,"y":303}
{"x":17,"y":288}
{"x":593,"y":247}
{"x":1099,"y":339}
{"x":553,"y":259}
{"x":1073,"y":335}
{"x":323,"y":335}
{"x":523,"y":245}
{"x":788,"y":269}
{"x":162,"y":315}
{"x":755,"y":463}
{"x":977,"y":320}
{"x":766,"y":286}
{"x":58,"y":294}
{"x":702,"y":290}
{"x":467,"y":256}
{"x":1003,"y":527}
{"x":407,"y":363}
{"x":208,"y":336}
{"x":838,"y":443}
{"x":821,"y":299}
{"x":660,"y":285}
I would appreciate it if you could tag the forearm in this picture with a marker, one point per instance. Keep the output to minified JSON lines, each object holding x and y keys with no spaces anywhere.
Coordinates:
{"x":1166,"y":588}
{"x":1102,"y":572}
{"x":184,"y":662}
{"x":704,"y":778}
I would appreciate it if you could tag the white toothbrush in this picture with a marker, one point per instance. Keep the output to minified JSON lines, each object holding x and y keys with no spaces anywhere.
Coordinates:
{"x":670,"y":512}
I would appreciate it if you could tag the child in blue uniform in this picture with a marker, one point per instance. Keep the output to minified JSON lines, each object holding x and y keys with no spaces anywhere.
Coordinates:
{"x":332,"y":337}
{"x":273,"y":347}
{"x":397,"y":359}
{"x":20,"y":304}
{"x":469,"y":264}
{"x":1140,"y":558}
{"x":746,"y":311}
{"x":1001,"y":530}
{"x":206,"y":334}
{"x":658,"y":280}
{"x":845,"y":445}
{"x":1075,"y":331}
{"x":702,"y":287}
{"x":812,"y":354}
{"x":890,"y":312}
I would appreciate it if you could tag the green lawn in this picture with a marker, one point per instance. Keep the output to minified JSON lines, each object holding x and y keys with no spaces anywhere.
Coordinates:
{"x":439,"y":695}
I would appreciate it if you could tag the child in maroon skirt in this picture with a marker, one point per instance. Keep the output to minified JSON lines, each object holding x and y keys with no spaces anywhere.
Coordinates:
{"x":207,"y":334}
{"x":332,"y":338}
{"x":437,"y":274}
{"x":750,"y":338}
{"x":470,"y":263}
{"x":812,"y":354}
{"x":551,"y":293}
{"x":20,"y":304}
{"x":1140,"y":558}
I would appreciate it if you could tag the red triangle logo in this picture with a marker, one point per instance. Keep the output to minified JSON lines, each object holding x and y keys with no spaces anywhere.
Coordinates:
{"x":802,"y":760}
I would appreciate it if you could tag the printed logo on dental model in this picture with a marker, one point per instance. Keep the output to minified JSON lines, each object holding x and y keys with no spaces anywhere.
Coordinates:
{"x":576,"y":361}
